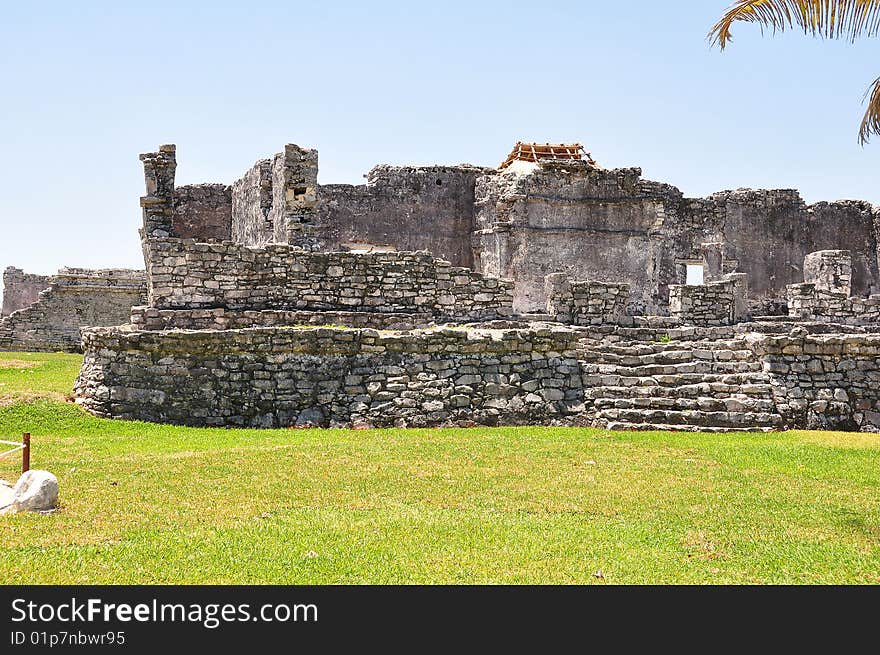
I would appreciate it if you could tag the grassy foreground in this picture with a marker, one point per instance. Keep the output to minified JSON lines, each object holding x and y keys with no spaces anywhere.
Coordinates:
{"x":143,"y":503}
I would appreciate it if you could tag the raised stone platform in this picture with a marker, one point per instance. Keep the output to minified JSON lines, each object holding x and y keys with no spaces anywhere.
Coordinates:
{"x":279,"y":377}
{"x":709,"y":378}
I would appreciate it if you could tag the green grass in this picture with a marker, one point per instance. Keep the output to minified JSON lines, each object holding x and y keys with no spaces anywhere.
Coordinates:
{"x":37,"y":374}
{"x":144,"y":503}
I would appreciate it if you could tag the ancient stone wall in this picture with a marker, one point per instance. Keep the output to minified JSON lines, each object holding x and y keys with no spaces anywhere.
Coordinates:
{"x":585,"y":302}
{"x":613,"y":226}
{"x":830,"y":271}
{"x":526,"y":222}
{"x":806,"y":302}
{"x":404,"y":208}
{"x":577,"y":219}
{"x":707,"y":304}
{"x":331,"y":377}
{"x":203,"y":211}
{"x":740,"y":283}
{"x":824,"y":381}
{"x":767,"y":233}
{"x":252,"y":206}
{"x":825,"y":294}
{"x":75,"y":298}
{"x":21,"y":289}
{"x":183,"y":274}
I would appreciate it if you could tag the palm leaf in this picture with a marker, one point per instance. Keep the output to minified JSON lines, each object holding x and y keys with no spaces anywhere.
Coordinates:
{"x":831,"y":19}
{"x":871,"y":121}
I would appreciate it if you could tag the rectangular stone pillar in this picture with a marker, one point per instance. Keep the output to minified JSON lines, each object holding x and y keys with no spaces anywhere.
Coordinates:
{"x":294,"y":197}
{"x":559,"y":298}
{"x":740,"y":295}
{"x":158,"y":204}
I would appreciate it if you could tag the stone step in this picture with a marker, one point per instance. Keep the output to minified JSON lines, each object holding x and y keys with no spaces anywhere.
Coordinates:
{"x":704,"y":389}
{"x":676,"y":380}
{"x":671,"y":357}
{"x":689,"y":333}
{"x":682,"y":427}
{"x":692,"y":417}
{"x":639,"y":349}
{"x":698,"y":403}
{"x":689,"y":367}
{"x":663,"y":353}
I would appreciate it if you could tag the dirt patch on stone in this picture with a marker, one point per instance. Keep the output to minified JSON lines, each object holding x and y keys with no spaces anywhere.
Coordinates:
{"x":17,"y":363}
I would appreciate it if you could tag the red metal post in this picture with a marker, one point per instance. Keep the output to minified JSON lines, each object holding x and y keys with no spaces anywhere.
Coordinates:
{"x":26,"y":452}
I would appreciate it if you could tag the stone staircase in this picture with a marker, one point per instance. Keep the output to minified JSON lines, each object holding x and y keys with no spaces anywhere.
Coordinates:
{"x":708,"y":385}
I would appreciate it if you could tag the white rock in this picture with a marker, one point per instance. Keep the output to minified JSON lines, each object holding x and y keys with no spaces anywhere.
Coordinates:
{"x":35,"y":491}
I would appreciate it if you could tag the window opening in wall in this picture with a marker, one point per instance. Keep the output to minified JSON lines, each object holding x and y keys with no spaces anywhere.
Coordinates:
{"x":694,"y":274}
{"x":439,"y":182}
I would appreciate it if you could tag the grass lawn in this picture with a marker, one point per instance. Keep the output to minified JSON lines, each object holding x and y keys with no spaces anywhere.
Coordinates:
{"x":143,"y":503}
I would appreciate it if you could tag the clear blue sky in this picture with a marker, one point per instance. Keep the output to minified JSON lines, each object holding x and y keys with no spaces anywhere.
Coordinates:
{"x":88,"y":85}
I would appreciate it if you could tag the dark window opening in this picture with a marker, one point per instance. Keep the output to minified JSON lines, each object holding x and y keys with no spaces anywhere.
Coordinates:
{"x":439,"y":182}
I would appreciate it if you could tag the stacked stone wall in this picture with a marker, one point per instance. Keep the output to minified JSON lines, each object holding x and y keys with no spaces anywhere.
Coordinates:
{"x":76,"y":298}
{"x":824,"y":381}
{"x":708,"y":304}
{"x":188,"y":275}
{"x":404,"y":208}
{"x":806,"y":302}
{"x":585,"y":302}
{"x":331,"y":377}
{"x":150,"y":318}
{"x":825,"y":293}
{"x":294,"y":197}
{"x":158,"y":203}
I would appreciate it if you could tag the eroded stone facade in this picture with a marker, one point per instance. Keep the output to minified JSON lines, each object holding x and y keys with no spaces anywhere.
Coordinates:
{"x":21,"y":289}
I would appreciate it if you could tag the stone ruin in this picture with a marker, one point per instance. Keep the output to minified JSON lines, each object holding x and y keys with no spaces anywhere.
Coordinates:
{"x":44,"y":313}
{"x":547,"y":291}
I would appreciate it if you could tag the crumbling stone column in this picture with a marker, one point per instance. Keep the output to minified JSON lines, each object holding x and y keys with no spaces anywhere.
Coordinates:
{"x":801,"y":300}
{"x":559,"y":298}
{"x":830,"y":271}
{"x":295,"y":195}
{"x":713,"y":257}
{"x":158,"y":204}
{"x":740,"y":295}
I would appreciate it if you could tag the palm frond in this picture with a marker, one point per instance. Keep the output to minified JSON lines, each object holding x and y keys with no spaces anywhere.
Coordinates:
{"x":831,"y":19}
{"x":871,"y":121}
